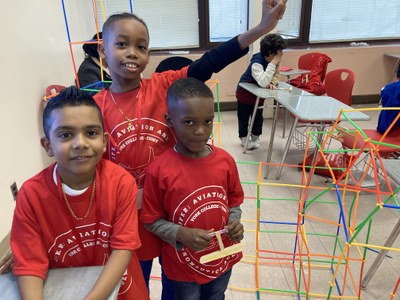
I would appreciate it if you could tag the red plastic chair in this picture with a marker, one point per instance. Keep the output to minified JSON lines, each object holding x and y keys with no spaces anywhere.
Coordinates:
{"x":53,"y":90}
{"x":339,"y":85}
{"x":306,"y":62}
{"x":312,"y":82}
{"x":348,"y":141}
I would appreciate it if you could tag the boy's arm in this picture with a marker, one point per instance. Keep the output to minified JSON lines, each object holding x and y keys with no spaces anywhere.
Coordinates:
{"x":235,"y":213}
{"x":30,"y":287}
{"x":176,"y":235}
{"x":111,"y":274}
{"x":218,"y":58}
{"x":263,"y":78}
{"x":166,"y":231}
{"x":277,"y":75}
{"x":235,"y":228}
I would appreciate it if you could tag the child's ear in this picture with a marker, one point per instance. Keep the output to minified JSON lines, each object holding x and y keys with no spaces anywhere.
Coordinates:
{"x":44,"y":141}
{"x":101,"y":50}
{"x":168,"y":119}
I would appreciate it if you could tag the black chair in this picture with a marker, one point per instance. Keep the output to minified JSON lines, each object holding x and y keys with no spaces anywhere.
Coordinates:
{"x":173,"y":63}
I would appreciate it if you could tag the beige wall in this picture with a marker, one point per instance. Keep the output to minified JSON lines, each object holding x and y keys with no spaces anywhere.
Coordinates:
{"x":34,"y":53}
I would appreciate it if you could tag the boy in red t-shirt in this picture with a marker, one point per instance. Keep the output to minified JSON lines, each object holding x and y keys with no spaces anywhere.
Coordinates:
{"x":133,"y":107}
{"x":79,"y":211}
{"x":190,"y":191}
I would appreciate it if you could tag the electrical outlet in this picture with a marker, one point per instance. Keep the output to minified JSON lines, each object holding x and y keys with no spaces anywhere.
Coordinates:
{"x":14,"y":190}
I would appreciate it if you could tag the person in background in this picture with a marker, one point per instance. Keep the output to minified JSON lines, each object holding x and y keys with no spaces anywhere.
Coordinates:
{"x":185,"y":213}
{"x":390,"y":97}
{"x":263,"y":70}
{"x":79,"y":211}
{"x":89,"y":71}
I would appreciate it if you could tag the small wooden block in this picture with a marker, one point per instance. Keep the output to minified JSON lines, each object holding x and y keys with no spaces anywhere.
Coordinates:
{"x":225,"y":252}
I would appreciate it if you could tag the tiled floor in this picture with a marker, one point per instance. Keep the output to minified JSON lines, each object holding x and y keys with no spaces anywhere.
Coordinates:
{"x":279,"y":204}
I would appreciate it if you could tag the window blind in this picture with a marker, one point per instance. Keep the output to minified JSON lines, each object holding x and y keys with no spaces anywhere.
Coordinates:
{"x":227,"y":19}
{"x":171,"y":24}
{"x":289,"y":26}
{"x":333,"y":20}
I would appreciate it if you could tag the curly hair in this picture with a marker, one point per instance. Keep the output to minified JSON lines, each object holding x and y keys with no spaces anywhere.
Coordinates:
{"x":271,"y":44}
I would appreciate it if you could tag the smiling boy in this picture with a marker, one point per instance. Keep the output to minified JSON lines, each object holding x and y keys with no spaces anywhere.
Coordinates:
{"x":79,"y":211}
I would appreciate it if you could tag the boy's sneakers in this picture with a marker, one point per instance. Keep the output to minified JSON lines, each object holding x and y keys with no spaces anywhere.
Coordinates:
{"x":255,"y":139}
{"x":243,"y":142}
{"x":254,"y":142}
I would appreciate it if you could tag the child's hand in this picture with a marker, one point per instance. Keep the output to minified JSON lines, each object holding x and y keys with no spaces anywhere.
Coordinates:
{"x":272,"y":12}
{"x":194,"y":238}
{"x":277,"y":58}
{"x":271,"y":86}
{"x":235,"y":231}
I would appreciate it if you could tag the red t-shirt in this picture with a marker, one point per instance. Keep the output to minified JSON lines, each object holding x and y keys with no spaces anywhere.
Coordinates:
{"x":195,"y":193}
{"x":135,"y":144}
{"x":44,"y":234}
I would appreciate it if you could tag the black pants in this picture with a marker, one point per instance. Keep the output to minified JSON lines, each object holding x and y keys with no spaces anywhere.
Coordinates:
{"x":244,"y":113}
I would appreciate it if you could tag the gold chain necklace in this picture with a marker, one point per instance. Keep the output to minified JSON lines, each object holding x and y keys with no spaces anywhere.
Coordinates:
{"x":130,"y":126}
{"x":70,"y":208}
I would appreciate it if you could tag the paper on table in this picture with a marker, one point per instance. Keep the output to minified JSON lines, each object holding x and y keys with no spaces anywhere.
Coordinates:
{"x":285,"y":69}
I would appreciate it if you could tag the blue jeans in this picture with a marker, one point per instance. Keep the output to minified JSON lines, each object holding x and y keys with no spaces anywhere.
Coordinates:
{"x":168,"y":292}
{"x":214,"y":290}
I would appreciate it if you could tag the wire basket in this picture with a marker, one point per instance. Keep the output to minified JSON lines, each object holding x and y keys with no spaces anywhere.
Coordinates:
{"x":301,"y":134}
{"x":300,"y":137}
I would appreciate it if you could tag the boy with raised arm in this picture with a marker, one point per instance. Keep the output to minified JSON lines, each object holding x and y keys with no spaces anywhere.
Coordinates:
{"x":133,"y":107}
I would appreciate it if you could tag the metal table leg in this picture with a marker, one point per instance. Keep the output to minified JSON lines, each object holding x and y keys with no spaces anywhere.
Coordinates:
{"x":251,"y":124}
{"x":378,"y":260}
{"x":285,"y":152}
{"x":271,"y":139}
{"x":284,"y":123}
{"x":286,"y":113}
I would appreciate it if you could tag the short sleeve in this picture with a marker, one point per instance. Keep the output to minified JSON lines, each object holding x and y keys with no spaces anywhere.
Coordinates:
{"x":125,"y":234}
{"x":28,"y":247}
{"x":152,"y":199}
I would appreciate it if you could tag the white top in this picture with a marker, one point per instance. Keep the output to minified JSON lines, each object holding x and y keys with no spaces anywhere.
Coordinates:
{"x":262,"y":77}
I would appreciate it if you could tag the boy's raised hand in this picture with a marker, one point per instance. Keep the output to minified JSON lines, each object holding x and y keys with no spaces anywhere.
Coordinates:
{"x":194,"y":238}
{"x":272,"y":12}
{"x":235,"y":231}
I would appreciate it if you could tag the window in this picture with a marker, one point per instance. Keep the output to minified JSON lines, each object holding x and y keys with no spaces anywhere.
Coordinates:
{"x":227,"y":19}
{"x":324,"y":21}
{"x":183,"y":24}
